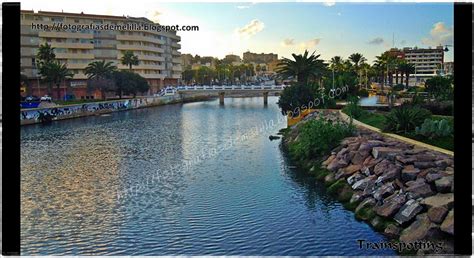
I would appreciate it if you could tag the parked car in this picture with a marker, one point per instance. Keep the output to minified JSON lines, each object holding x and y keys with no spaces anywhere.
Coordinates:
{"x":32,"y":98}
{"x":46,"y":98}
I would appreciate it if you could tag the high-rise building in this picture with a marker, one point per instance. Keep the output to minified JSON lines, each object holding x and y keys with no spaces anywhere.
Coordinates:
{"x":157,"y":51}
{"x":427,"y":61}
{"x":250,"y":57}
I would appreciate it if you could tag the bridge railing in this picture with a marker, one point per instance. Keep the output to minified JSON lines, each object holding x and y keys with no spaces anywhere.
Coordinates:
{"x":230,"y":87}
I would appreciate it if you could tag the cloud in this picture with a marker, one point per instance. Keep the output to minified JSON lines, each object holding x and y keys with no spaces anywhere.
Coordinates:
{"x":155,"y":16}
{"x":439,"y":35}
{"x":250,"y":29}
{"x":376,"y":41}
{"x":288,"y":42}
{"x":301,"y":46}
{"x":329,"y":2}
{"x":243,"y":6}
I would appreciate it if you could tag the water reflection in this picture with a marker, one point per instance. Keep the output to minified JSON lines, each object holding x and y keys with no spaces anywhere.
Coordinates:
{"x":244,"y":200}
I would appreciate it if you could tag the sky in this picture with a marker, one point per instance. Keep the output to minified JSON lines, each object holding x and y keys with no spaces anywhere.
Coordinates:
{"x":328,"y":28}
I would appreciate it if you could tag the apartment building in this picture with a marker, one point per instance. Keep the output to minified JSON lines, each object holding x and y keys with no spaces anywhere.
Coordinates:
{"x":250,"y":57}
{"x":158,"y":52}
{"x":427,"y":61}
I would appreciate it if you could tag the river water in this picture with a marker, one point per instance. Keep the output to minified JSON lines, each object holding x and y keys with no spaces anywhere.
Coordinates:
{"x":143,"y":182}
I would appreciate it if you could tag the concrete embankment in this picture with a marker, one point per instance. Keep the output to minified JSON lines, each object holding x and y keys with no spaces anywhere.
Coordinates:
{"x":400,"y":189}
{"x":34,"y":115}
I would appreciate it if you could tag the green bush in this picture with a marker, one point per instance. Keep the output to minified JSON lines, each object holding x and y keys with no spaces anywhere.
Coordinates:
{"x":353,"y":109}
{"x":443,"y":108}
{"x":434,"y":128}
{"x":363,"y":93}
{"x":317,"y":137}
{"x":398,"y":87}
{"x":405,"y":119}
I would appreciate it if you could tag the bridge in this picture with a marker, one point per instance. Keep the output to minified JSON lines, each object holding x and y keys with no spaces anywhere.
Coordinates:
{"x":232,"y":90}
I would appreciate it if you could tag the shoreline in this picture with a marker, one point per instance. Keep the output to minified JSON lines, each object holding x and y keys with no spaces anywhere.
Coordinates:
{"x":97,"y":108}
{"x":401,"y":190}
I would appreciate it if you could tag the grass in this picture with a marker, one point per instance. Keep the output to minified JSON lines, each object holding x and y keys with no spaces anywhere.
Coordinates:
{"x":76,"y":101}
{"x":377,"y":119}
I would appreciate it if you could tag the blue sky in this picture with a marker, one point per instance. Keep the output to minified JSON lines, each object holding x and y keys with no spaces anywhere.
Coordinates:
{"x":285,"y":28}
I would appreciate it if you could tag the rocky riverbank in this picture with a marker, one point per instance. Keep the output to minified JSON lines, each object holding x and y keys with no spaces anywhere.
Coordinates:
{"x":402,"y":190}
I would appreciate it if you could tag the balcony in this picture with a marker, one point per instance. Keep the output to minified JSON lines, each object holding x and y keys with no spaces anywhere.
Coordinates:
{"x":142,"y":67}
{"x":140,"y":38}
{"x":175,"y":53}
{"x":176,"y":60}
{"x":177,"y":68}
{"x":140,"y":47}
{"x":175,"y":45}
{"x":74,"y":56}
{"x":152,"y":76}
{"x":149,"y":58}
{"x":77,"y":66}
{"x":72,"y":45}
{"x":62,"y":34}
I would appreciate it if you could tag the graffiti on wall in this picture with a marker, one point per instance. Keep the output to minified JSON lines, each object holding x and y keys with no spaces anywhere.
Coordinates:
{"x":86,"y":109}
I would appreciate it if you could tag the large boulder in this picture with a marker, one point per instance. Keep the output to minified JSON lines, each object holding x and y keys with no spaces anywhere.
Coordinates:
{"x":390,"y":175}
{"x":391,"y":205}
{"x":392,"y":231}
{"x":382,"y":152}
{"x":368,"y":145}
{"x":336,"y":164}
{"x":405,"y":159}
{"x":363,"y":183}
{"x":440,"y":200}
{"x":384,"y":191}
{"x":382,"y":167}
{"x":354,"y":178}
{"x":367,"y":203}
{"x":422,"y":228}
{"x":433,"y":176}
{"x":351,"y":169}
{"x":424,"y":164}
{"x":359,"y":157}
{"x":409,"y":173}
{"x":329,"y":160}
{"x":448,"y":223}
{"x":437,"y":214}
{"x":443,"y":185}
{"x":419,"y":189}
{"x":408,"y":211}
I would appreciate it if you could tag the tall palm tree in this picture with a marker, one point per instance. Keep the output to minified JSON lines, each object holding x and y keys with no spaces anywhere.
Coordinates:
{"x":303,"y":67}
{"x":54,"y":72}
{"x":45,"y":54}
{"x":129,"y":59}
{"x":100,"y":72}
{"x":336,"y":63}
{"x":357,"y":59}
{"x":407,"y":69}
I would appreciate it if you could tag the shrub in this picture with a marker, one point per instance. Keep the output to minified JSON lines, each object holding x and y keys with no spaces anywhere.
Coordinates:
{"x":440,"y":87}
{"x":442,"y":108}
{"x":353,"y":109}
{"x":434,"y":128}
{"x":405,"y":119}
{"x":317,"y":137}
{"x":398,"y":87}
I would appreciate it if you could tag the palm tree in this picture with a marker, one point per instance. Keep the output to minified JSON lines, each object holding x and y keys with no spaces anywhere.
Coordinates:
{"x":336,"y":63}
{"x":407,"y":69}
{"x":303,"y":67}
{"x":100,"y":72}
{"x":357,"y":59}
{"x":45,"y":54}
{"x":381,"y":63}
{"x":54,"y":72}
{"x":129,"y":59}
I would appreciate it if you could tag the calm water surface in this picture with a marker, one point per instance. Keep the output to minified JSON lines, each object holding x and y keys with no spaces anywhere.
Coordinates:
{"x":245,"y":199}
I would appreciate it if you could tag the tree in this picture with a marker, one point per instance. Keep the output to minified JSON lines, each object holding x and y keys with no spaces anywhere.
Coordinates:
{"x":54,"y":72}
{"x":45,"y":54}
{"x":99,"y":74}
{"x":127,"y":82}
{"x":440,"y":87}
{"x":336,"y":63}
{"x":188,"y":75}
{"x":303,"y":67}
{"x":357,"y":59}
{"x":129,"y":59}
{"x":407,"y":69}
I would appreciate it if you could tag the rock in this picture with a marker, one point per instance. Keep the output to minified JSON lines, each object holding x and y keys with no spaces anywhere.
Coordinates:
{"x":408,"y":211}
{"x":391,"y":205}
{"x":425,"y":157}
{"x":339,"y":174}
{"x":449,"y":171}
{"x":351,"y":169}
{"x":405,"y":160}
{"x":384,"y":191}
{"x":336,"y":164}
{"x":440,"y":200}
{"x":363,"y":183}
{"x":377,"y":222}
{"x":448,"y":223}
{"x":381,"y":152}
{"x":443,"y":185}
{"x":421,"y":229}
{"x":356,"y":197}
{"x":272,"y":137}
{"x":353,"y":146}
{"x":409,"y":173}
{"x":350,"y":140}
{"x":420,"y":189}
{"x":367,"y":146}
{"x":329,"y":178}
{"x":342,"y":152}
{"x":414,"y":151}
{"x":424,"y":164}
{"x":329,"y":160}
{"x":355,"y":177}
{"x":390,"y":175}
{"x":431,"y":177}
{"x":442,"y":163}
{"x":382,"y":167}
{"x":437,"y":214}
{"x":392,"y":231}
{"x":369,"y":202}
{"x":359,"y":157}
